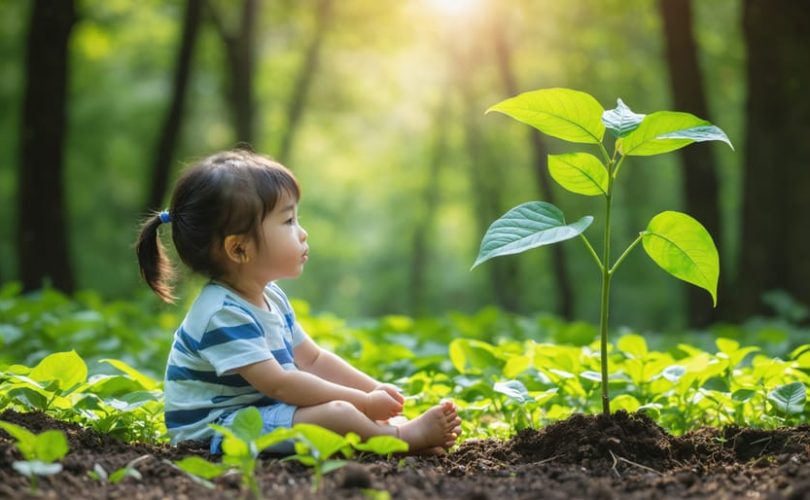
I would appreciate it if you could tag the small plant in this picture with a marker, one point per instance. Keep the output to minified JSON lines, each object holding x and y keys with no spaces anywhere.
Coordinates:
{"x":314,"y":447}
{"x":99,"y":473}
{"x":40,"y":451}
{"x":679,"y":244}
{"x":241,"y":444}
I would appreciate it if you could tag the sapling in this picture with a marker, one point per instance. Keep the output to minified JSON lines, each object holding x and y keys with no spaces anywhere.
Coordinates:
{"x":40,"y":451}
{"x":679,"y":244}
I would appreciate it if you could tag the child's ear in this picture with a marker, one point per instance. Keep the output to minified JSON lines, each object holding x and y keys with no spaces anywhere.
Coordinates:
{"x":236,"y":248}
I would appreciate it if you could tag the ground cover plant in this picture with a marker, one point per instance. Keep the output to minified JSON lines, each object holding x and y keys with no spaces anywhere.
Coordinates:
{"x":521,"y":384}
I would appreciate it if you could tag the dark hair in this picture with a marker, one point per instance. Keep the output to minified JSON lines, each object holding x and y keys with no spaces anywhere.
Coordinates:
{"x":226,"y":193}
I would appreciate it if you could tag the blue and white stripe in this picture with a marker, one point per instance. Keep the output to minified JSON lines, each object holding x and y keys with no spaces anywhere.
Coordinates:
{"x":220,"y":333}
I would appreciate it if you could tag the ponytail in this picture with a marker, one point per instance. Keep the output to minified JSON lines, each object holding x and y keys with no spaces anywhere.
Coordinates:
{"x":155,"y":267}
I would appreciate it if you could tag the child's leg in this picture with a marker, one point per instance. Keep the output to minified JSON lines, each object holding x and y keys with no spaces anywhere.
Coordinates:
{"x":436,"y":427}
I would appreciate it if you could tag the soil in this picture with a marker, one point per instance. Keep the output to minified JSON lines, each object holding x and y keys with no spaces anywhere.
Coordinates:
{"x":622,"y":456}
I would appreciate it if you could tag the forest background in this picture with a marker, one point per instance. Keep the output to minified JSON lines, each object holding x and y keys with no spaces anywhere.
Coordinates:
{"x":378,"y":108}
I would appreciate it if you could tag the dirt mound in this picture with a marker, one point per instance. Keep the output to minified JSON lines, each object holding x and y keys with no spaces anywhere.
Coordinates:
{"x":597,"y":442}
{"x":623,"y":456}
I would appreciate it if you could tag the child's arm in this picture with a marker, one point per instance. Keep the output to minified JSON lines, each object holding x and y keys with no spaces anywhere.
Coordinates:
{"x":329,"y":366}
{"x":300,"y":388}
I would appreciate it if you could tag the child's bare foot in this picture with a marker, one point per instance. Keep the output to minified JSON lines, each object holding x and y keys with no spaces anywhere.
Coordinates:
{"x":436,"y":430}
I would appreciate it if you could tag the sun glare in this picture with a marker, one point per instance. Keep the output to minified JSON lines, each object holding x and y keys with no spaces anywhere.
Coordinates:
{"x":453,"y":7}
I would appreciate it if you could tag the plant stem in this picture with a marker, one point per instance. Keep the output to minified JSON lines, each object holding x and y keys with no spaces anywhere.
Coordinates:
{"x":590,"y":249}
{"x":604,"y":310}
{"x":625,"y":254}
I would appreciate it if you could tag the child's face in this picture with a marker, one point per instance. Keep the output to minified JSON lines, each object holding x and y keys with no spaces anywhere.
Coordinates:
{"x":283,"y":250}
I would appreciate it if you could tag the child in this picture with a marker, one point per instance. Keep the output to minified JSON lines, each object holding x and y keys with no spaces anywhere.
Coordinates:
{"x":234,"y":220}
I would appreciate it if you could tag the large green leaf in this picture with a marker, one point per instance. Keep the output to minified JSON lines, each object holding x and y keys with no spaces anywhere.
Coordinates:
{"x":26,"y":440}
{"x":567,"y":114}
{"x":580,"y":173}
{"x":621,"y":120}
{"x":681,"y":246}
{"x":789,"y":399}
{"x":383,"y":445}
{"x":66,"y":368}
{"x":247,"y":424}
{"x":323,"y":443}
{"x":666,"y":131}
{"x":527,"y":226}
{"x":51,"y":446}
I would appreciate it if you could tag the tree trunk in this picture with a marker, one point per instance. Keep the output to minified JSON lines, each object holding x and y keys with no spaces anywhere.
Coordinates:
{"x":42,"y":242}
{"x":239,"y":51}
{"x":486,"y":191}
{"x":304,"y":80}
{"x":167,"y":141}
{"x":700,"y":184}
{"x":430,"y":202}
{"x":775,"y":243}
{"x":565,"y":297}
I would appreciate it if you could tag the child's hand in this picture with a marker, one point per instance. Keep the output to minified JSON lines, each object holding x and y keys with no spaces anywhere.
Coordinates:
{"x":380,"y":405}
{"x":392,"y":391}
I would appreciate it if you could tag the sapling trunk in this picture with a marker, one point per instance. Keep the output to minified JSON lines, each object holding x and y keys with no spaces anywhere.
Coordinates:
{"x":605,"y":295}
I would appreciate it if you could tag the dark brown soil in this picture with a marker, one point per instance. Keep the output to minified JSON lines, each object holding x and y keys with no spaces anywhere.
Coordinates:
{"x":625,"y":456}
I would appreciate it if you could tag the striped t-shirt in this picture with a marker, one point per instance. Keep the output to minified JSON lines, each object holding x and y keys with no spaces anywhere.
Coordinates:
{"x":222,"y":332}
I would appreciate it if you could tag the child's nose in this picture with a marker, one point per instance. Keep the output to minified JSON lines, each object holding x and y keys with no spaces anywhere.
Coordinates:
{"x":303,"y":234}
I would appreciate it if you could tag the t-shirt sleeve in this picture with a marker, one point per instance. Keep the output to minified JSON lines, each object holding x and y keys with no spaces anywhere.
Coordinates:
{"x":232,"y":339}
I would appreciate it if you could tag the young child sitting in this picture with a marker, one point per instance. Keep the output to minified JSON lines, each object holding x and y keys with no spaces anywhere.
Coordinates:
{"x":234,"y":220}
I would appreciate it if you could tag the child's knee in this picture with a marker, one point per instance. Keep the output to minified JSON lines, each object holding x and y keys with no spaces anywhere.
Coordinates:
{"x":341,"y":409}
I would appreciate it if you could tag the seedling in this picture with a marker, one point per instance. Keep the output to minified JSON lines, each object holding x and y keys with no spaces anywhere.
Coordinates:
{"x":679,"y":244}
{"x":40,"y":451}
{"x":99,"y":473}
{"x":315,"y":446}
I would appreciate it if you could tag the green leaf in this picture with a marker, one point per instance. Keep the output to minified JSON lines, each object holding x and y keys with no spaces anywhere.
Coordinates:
{"x":67,"y":368}
{"x":566,"y":114}
{"x":527,"y":226}
{"x":200,"y":467}
{"x":247,"y":424}
{"x":26,"y":440}
{"x":470,"y":355}
{"x":789,"y":399}
{"x":580,"y":173}
{"x":625,"y":402}
{"x":681,"y":246}
{"x":665,"y":131}
{"x":51,"y":446}
{"x":743,"y":395}
{"x":323,"y":442}
{"x":232,"y":444}
{"x":621,"y":120}
{"x":117,"y":476}
{"x":146,"y":381}
{"x":276,"y":436}
{"x":634,"y":345}
{"x":383,"y":445}
{"x":332,"y":465}
{"x":514,"y":389}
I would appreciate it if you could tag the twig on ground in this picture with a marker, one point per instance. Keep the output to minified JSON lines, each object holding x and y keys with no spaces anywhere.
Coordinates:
{"x":617,"y":458}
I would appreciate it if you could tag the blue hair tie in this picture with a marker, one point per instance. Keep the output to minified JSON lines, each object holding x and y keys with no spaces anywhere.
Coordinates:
{"x":165,"y":218}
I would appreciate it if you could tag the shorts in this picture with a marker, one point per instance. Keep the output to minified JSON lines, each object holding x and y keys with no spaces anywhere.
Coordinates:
{"x":273,"y":416}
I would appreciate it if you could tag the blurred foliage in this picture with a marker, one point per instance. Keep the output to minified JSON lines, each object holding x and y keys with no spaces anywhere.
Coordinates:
{"x":99,"y":363}
{"x":363,"y":150}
